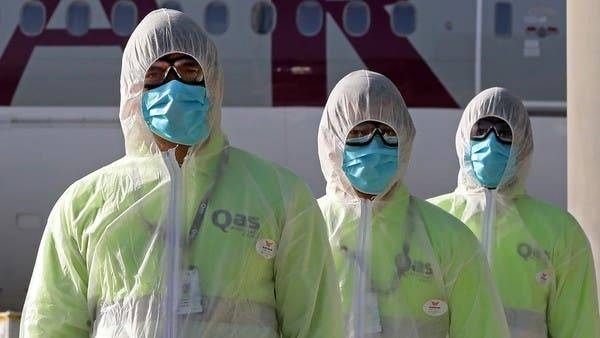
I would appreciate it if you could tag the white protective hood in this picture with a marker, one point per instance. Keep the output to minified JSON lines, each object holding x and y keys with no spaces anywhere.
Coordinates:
{"x":161,"y":32}
{"x":360,"y":96}
{"x":502,"y":104}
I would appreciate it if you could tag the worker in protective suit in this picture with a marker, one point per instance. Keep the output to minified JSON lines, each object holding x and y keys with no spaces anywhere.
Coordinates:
{"x":405,"y":267}
{"x":185,"y":236}
{"x":539,"y":256}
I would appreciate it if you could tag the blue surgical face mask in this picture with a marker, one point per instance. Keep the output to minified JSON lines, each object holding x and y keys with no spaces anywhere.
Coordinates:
{"x":489,"y":158}
{"x":177,"y":112}
{"x":372,"y":167}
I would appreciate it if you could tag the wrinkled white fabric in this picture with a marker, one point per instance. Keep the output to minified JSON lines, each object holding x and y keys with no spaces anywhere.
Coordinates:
{"x":361,"y":95}
{"x":502,"y":104}
{"x":159,"y":33}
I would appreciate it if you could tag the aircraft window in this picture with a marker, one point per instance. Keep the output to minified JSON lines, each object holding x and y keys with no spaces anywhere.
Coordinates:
{"x":216,"y":18}
{"x":263,"y":17}
{"x":309,"y":18}
{"x":33,"y":18}
{"x":403,"y":19}
{"x":357,"y":18}
{"x":78,"y":18}
{"x":124,"y":17}
{"x":172,"y":5}
{"x":503,"y":19}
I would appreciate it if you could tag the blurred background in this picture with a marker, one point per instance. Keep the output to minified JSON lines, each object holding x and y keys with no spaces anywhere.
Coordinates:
{"x":59,"y":88}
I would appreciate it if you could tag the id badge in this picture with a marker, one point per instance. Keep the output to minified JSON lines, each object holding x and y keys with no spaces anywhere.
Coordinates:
{"x":373,"y":321}
{"x":191,"y":295}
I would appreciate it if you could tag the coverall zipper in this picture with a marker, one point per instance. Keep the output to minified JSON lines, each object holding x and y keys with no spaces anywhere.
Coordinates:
{"x":173,"y":244}
{"x":489,"y":214}
{"x":361,"y":275}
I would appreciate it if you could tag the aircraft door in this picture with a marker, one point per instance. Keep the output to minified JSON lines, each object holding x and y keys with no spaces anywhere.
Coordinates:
{"x":523,"y":46}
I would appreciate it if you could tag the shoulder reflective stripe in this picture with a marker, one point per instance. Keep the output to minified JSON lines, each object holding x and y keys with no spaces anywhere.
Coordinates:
{"x":399,"y":327}
{"x":393,"y":327}
{"x":526,"y":323}
{"x":217,"y":310}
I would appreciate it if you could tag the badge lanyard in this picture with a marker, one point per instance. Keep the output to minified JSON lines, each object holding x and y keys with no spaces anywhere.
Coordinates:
{"x":201,"y":212}
{"x":190,"y":301}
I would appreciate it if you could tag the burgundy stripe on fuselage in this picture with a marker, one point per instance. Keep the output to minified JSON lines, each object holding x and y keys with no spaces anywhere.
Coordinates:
{"x":20,"y":47}
{"x":298,"y":63}
{"x":380,"y":50}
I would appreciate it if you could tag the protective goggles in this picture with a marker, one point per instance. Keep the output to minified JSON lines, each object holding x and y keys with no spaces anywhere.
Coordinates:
{"x":485,"y":125}
{"x":363,"y":135}
{"x":187,"y":70}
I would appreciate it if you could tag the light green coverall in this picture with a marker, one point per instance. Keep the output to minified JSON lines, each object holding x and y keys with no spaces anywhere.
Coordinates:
{"x":539,"y":256}
{"x":118,"y":259}
{"x":405,"y":267}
